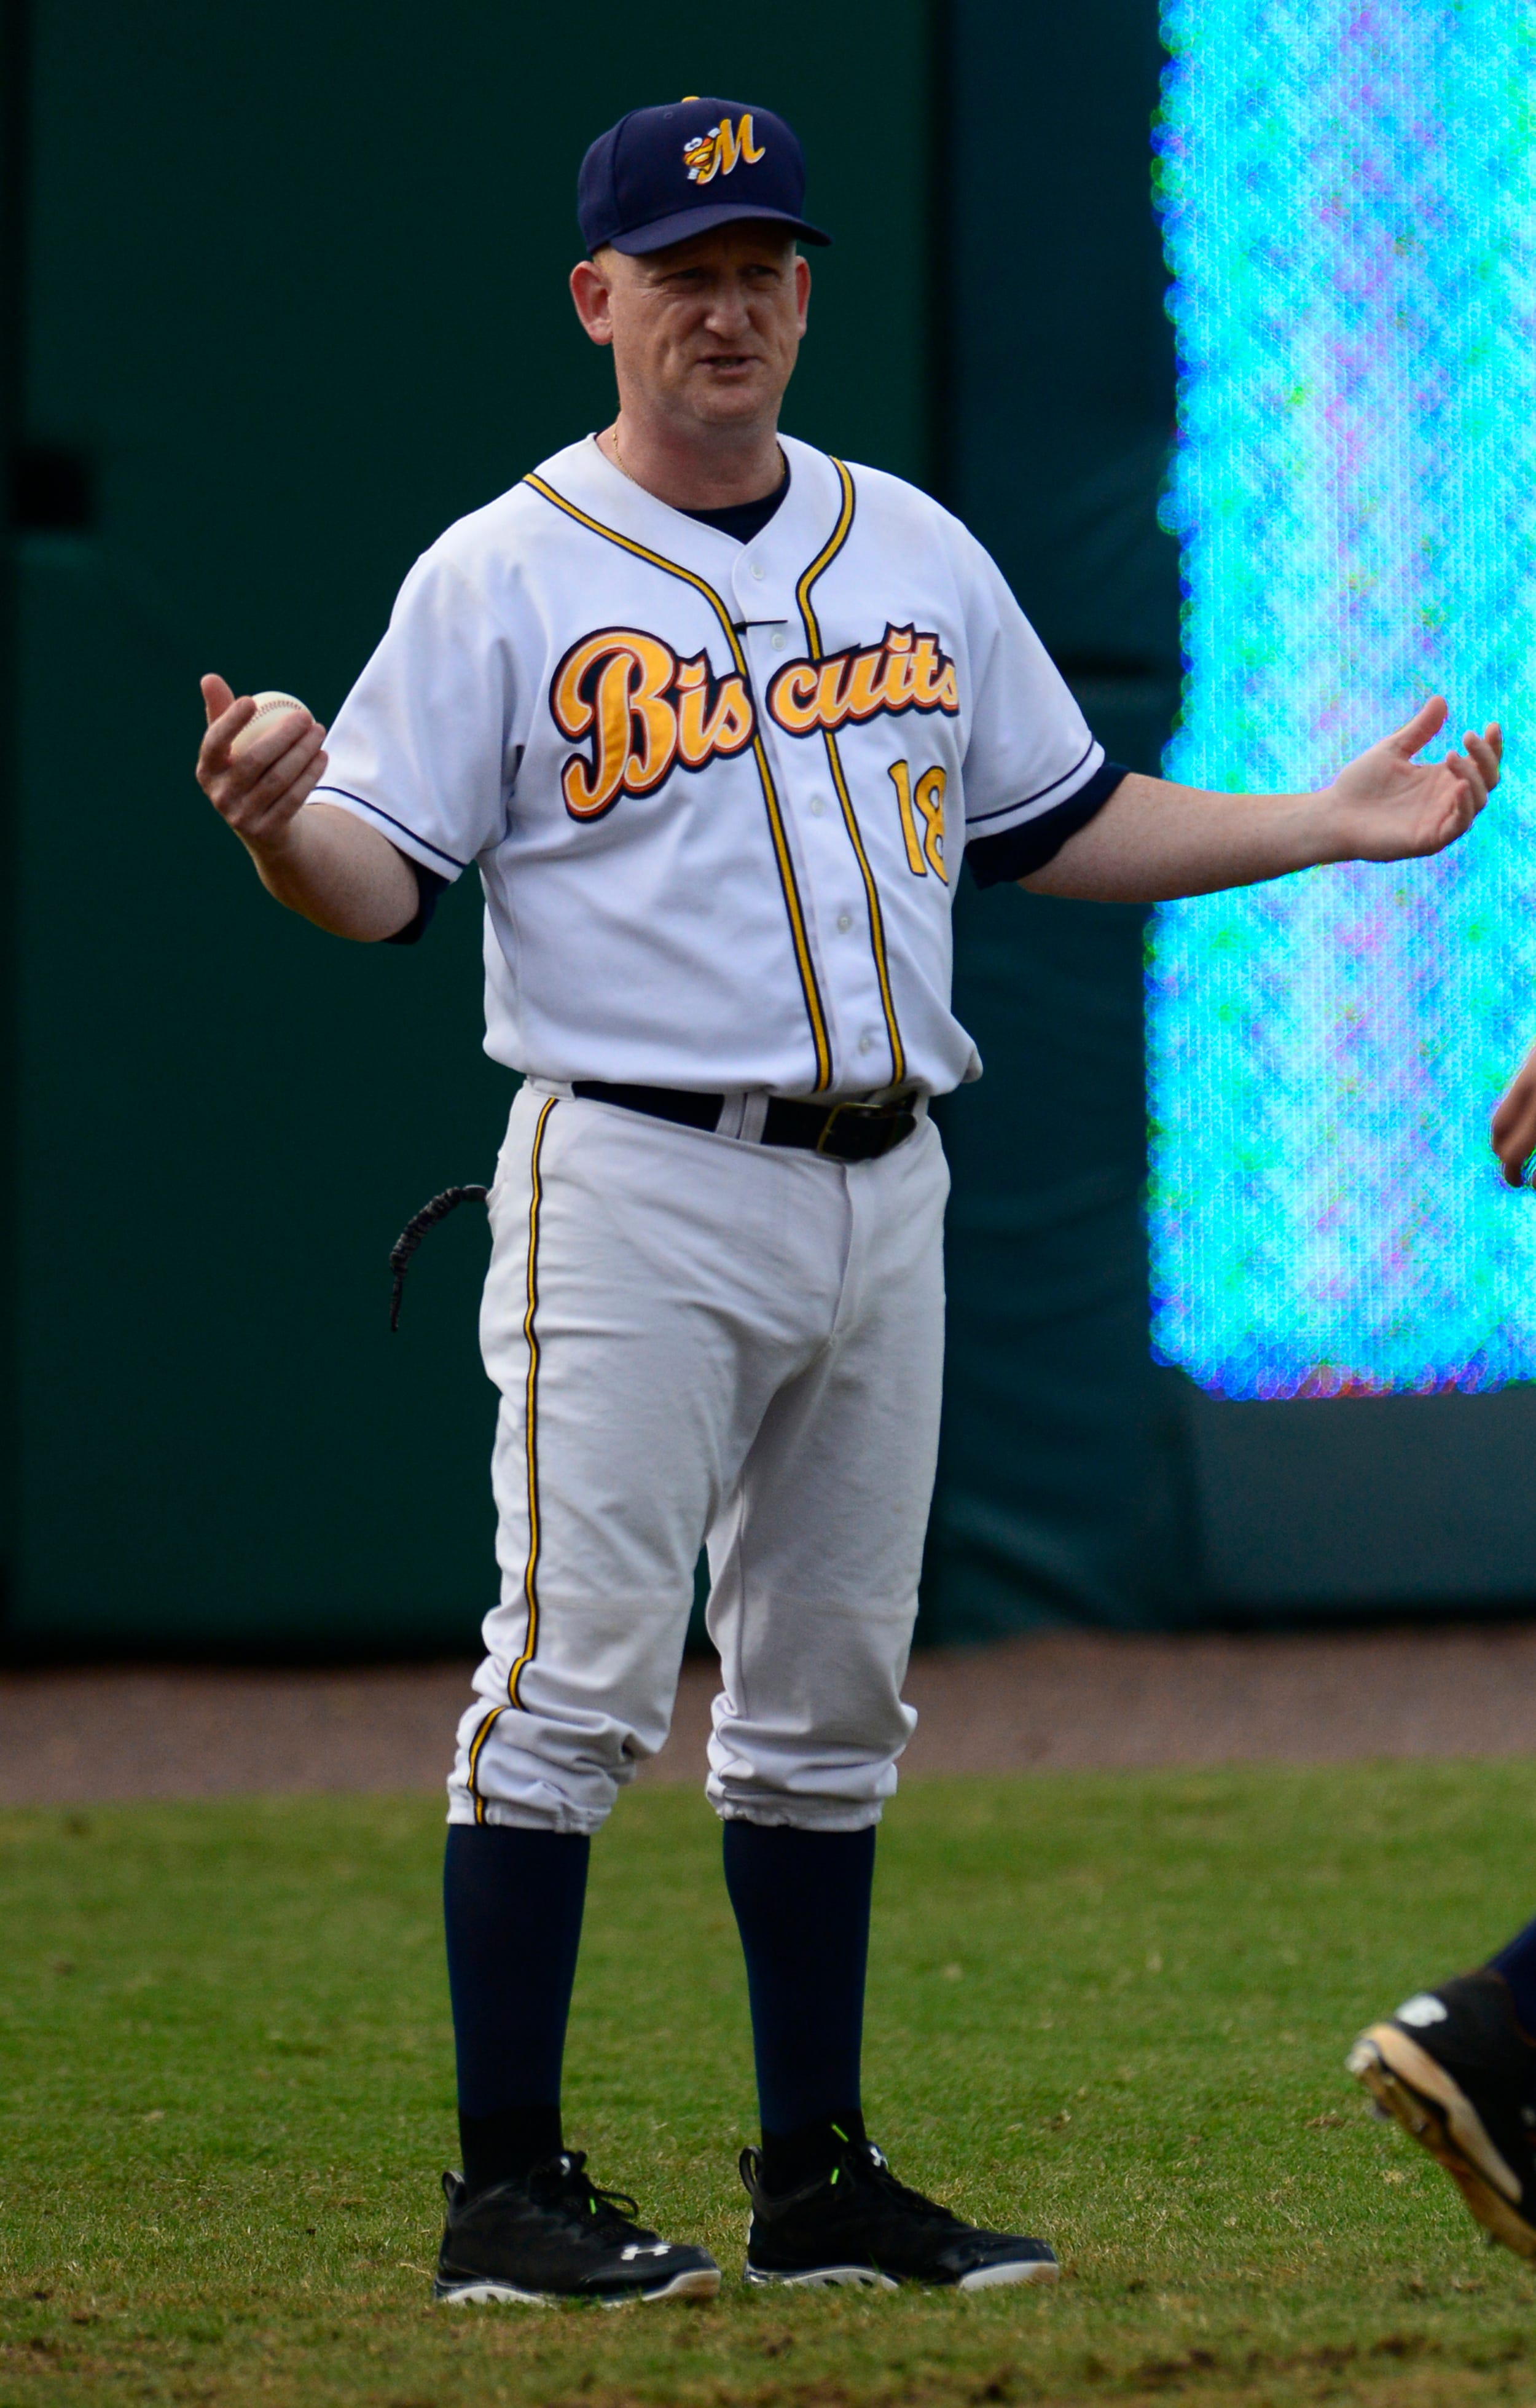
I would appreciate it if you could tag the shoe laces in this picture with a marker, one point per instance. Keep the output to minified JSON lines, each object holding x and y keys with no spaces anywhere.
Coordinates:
{"x":872,"y":2168}
{"x":563,"y":2183}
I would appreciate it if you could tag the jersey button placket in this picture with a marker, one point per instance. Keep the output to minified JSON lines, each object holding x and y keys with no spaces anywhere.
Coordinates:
{"x":775,"y":628}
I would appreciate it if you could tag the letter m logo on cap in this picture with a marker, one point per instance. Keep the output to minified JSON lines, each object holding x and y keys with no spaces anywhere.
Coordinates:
{"x":664,"y":175}
{"x":715,"y":153}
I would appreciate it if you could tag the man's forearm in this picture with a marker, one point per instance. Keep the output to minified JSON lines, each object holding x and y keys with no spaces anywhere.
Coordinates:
{"x":1154,"y":841}
{"x":332,"y":869}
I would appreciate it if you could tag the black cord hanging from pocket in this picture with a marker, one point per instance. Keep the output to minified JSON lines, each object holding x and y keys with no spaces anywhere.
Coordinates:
{"x":415,"y":1230}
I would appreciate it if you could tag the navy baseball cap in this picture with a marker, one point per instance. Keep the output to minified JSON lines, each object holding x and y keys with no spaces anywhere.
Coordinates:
{"x":661,"y":175}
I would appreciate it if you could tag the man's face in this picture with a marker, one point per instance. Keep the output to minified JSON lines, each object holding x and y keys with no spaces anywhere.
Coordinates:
{"x":705,"y":332}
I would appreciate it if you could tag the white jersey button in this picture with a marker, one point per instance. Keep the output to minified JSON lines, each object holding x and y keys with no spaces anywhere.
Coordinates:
{"x":866,"y":1043}
{"x":817,"y":806}
{"x":756,"y":568}
{"x":845,"y":920}
{"x":777,"y":640}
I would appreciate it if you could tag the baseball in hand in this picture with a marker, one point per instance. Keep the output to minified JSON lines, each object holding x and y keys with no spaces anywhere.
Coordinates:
{"x":270,"y":708}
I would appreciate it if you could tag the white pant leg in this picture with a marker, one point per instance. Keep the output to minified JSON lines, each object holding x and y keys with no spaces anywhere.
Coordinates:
{"x":816,"y":1557}
{"x":650,"y":1289}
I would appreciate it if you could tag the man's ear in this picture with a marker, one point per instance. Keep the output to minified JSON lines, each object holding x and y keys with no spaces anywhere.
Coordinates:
{"x":589,"y":291}
{"x":802,"y":285}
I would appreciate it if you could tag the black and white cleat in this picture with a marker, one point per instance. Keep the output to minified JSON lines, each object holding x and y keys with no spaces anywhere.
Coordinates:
{"x":555,"y":2236}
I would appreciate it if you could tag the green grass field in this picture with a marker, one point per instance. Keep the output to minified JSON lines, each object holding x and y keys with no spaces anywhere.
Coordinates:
{"x":1112,"y":2009}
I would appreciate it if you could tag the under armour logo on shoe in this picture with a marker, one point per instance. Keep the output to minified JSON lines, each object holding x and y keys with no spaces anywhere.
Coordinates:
{"x":647,"y":2249}
{"x":1424,"y":2009}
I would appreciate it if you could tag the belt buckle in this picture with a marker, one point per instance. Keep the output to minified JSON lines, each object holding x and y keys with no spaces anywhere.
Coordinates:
{"x":888,"y":1112}
{"x":834,"y":1115}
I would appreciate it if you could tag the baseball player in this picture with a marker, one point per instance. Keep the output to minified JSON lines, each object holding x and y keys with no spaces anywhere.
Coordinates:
{"x":716,"y":718}
{"x":1456,"y":2065}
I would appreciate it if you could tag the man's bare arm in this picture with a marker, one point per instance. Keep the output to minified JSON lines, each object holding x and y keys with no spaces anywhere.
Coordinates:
{"x":1154,"y":841}
{"x":321,"y":861}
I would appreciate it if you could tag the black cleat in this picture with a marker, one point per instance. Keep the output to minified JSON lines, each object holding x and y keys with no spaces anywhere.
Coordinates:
{"x":554,"y":2237}
{"x":1459,"y":2074}
{"x":858,"y":2224}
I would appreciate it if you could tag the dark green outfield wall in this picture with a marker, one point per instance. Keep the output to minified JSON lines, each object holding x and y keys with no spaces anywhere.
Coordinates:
{"x":1063,"y":1484}
{"x":294,"y":300}
{"x":1077,"y":1481}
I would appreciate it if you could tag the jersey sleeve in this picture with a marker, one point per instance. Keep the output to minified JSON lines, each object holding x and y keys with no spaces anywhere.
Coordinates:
{"x":429,"y":885}
{"x":420,"y":749}
{"x":1034,"y":773}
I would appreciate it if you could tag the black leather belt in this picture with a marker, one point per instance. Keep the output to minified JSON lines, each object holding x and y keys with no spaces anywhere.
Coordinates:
{"x":845,"y":1132}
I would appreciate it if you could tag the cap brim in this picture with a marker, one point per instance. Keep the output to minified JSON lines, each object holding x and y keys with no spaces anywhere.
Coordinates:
{"x":684,"y":223}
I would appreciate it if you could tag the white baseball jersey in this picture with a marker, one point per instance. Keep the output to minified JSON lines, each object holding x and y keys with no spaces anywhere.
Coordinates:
{"x":718,"y":792}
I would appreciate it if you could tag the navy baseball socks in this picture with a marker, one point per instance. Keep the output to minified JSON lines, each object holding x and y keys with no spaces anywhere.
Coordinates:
{"x":1456,"y":2068}
{"x":826,"y":2207}
{"x":512,"y":1904}
{"x":801,"y":1900}
{"x":524,"y":2223}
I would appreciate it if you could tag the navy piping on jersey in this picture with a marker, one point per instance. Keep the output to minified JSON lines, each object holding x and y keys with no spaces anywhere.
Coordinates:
{"x":1021,"y":801}
{"x":1019,"y":851}
{"x":394,"y":822}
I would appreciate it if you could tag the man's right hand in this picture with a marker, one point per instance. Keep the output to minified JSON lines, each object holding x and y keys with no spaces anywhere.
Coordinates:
{"x":260,"y":791}
{"x":1513,"y":1131}
{"x":323,"y":863}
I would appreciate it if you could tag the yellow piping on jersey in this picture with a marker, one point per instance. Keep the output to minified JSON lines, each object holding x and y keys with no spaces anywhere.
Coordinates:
{"x":530,"y":1571}
{"x":816,"y":1012}
{"x":823,"y":559}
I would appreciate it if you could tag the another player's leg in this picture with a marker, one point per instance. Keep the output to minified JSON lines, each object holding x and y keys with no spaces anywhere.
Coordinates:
{"x":815,"y":1565}
{"x":1456,"y":2066}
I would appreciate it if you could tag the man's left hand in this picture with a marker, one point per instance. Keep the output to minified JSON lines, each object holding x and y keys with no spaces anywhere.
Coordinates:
{"x":1388,"y":807}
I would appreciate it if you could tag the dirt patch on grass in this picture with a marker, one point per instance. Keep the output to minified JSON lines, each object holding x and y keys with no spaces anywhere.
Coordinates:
{"x":1050,"y":1702}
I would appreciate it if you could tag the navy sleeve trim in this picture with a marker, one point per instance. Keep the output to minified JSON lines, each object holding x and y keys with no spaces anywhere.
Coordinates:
{"x":1021,"y":802}
{"x":1019,"y":851}
{"x":411,"y":832}
{"x":430,"y":883}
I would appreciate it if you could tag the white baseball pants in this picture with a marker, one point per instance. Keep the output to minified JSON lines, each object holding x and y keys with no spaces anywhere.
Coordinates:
{"x":696,"y":1337}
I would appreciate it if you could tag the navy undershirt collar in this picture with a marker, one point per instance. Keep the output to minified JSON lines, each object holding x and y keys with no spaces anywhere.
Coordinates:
{"x":744,"y":520}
